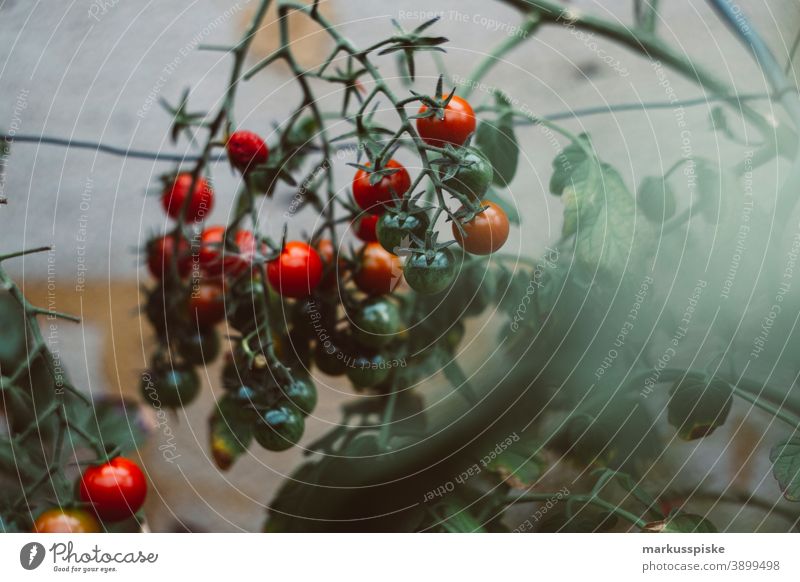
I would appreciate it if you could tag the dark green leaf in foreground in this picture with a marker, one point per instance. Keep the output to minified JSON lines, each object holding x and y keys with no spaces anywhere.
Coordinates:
{"x":680,"y":522}
{"x":696,"y":407}
{"x":785,"y":459}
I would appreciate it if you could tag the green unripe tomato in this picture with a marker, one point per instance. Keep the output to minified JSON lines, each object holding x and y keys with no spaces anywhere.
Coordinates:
{"x":279,"y":428}
{"x":376,"y":323}
{"x":302,"y":394}
{"x":474,"y":176}
{"x":429,"y":276}
{"x":394,"y":229}
{"x":329,"y":358}
{"x":170,"y":385}
{"x":366,"y":371}
{"x":199,"y":348}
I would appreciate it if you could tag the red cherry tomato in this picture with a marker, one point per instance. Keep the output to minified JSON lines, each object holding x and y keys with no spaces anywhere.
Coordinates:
{"x":200,"y":204}
{"x":297,"y":271}
{"x":216,"y":260}
{"x":379,"y":271}
{"x":246,"y":150}
{"x":160,"y":253}
{"x":374,"y":197}
{"x":68,"y":520}
{"x":207,"y":304}
{"x":486,"y":233}
{"x":365,"y":226}
{"x":115,"y":490}
{"x":458,"y":123}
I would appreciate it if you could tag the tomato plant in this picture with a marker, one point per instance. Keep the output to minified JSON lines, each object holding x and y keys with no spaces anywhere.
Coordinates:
{"x":387,"y":286}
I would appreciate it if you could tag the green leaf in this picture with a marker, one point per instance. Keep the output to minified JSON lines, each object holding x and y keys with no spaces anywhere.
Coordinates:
{"x":785,"y":459}
{"x":498,"y":142}
{"x":681,"y":522}
{"x":696,"y":408}
{"x":520,"y":465}
{"x":114,"y":422}
{"x":455,"y":375}
{"x":456,"y":517}
{"x":574,"y":517}
{"x":601,"y":213}
{"x":13,"y":342}
{"x":571,"y":165}
{"x":230,"y":434}
{"x":507,"y":207}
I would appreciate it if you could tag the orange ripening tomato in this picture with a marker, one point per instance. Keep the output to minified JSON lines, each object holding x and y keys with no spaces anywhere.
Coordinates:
{"x":379,"y":271}
{"x":486,"y":233}
{"x":67,"y":520}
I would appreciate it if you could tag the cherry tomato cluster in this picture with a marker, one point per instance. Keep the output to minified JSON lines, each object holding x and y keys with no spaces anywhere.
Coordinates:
{"x":110,"y":492}
{"x":323,"y":304}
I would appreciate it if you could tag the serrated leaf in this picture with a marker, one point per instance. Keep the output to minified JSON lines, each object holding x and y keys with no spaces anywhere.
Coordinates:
{"x":571,"y":165}
{"x":601,"y":213}
{"x":680,"y":522}
{"x":785,"y":459}
{"x":498,"y":143}
{"x":696,"y":408}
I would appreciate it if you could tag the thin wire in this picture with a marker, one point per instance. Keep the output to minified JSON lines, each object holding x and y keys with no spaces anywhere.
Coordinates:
{"x":174,"y":157}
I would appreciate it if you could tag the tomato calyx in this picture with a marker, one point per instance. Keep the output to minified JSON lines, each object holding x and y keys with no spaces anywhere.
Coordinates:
{"x":435,"y":106}
{"x":445,"y":120}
